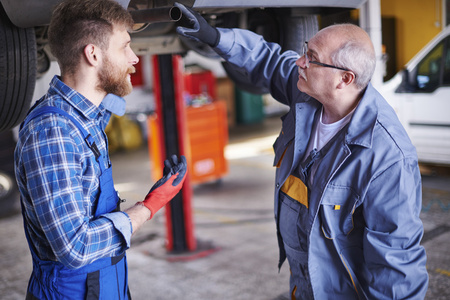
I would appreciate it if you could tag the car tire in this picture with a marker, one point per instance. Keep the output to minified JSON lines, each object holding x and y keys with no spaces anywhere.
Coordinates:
{"x":290,"y":32}
{"x":17,"y":71}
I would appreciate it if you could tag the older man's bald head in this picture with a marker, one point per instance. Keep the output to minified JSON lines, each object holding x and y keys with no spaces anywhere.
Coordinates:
{"x":351,"y":48}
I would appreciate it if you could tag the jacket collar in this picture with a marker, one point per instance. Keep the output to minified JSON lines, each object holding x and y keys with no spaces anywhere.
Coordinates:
{"x":362,"y":124}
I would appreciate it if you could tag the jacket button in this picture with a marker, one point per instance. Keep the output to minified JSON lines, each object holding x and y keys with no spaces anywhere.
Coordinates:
{"x":278,"y":185}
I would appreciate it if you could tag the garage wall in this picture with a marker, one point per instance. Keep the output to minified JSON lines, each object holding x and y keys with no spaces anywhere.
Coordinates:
{"x":416,"y":23}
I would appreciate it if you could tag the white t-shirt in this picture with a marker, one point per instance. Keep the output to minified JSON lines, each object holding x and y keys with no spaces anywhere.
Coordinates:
{"x":322,"y":134}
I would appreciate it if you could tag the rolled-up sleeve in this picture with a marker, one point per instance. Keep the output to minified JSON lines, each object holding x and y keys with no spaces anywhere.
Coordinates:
{"x":122,"y":223}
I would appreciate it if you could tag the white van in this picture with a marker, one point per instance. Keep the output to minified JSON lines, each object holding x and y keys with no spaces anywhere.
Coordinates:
{"x":420,"y":94}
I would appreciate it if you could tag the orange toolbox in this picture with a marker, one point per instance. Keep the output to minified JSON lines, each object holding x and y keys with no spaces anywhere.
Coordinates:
{"x":208,"y":135}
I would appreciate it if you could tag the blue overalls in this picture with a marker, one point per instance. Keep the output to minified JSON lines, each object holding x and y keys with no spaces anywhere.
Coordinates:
{"x":105,"y":278}
{"x":295,"y":212}
{"x":293,"y":222}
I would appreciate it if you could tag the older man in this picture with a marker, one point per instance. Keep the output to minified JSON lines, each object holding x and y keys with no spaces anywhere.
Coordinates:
{"x":347,"y":187}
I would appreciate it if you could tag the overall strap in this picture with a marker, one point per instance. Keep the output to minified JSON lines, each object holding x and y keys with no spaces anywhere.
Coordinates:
{"x":51,"y":109}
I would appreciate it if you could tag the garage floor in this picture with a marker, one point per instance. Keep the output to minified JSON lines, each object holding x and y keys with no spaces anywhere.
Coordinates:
{"x":233,"y":220}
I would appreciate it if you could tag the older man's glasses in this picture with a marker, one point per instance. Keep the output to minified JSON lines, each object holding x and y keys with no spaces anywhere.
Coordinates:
{"x":309,"y":61}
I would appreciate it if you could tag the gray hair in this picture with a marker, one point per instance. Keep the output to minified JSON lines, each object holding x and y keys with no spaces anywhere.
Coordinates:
{"x":358,"y":58}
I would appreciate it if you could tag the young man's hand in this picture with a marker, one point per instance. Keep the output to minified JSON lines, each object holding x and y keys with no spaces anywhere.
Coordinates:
{"x":168,"y":186}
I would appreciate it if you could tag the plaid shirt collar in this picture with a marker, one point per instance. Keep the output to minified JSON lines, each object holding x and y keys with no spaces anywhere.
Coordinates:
{"x":112,"y":103}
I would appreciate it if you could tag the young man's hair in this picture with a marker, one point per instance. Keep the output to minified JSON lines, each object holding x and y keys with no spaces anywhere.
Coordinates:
{"x":78,"y":23}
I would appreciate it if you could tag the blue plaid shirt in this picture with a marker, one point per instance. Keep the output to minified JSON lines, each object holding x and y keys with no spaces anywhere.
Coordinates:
{"x":58,"y":181}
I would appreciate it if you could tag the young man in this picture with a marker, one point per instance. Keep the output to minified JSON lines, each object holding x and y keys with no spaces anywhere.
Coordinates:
{"x":348,"y":187}
{"x":76,"y":233}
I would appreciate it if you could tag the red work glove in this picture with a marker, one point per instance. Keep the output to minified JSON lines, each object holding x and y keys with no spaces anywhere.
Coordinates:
{"x":168,"y":186}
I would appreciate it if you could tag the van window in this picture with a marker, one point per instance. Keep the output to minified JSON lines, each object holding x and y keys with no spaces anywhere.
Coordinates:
{"x":429,"y":70}
{"x":446,"y":80}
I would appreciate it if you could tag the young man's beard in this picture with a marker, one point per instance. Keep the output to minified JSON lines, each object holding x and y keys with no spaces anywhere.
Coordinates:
{"x":114,"y":81}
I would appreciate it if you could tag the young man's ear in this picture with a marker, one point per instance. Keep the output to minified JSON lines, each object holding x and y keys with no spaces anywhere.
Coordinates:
{"x":92,"y":54}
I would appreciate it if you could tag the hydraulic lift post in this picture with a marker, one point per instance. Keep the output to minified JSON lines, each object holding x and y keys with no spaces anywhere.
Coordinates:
{"x":171,"y":118}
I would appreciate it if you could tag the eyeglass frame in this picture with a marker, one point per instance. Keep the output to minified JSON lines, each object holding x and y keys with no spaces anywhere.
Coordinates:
{"x":305,"y":53}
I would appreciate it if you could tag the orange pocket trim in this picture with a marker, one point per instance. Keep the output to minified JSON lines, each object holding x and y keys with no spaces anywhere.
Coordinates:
{"x":296,"y":189}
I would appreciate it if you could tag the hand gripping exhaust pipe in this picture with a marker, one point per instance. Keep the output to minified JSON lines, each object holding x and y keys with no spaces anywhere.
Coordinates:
{"x":156,"y":15}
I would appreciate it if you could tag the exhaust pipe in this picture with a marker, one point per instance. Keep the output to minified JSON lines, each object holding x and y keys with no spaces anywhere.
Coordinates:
{"x":156,"y":15}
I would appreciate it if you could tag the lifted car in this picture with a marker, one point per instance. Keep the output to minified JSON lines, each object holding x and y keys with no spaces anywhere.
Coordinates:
{"x":24,"y":54}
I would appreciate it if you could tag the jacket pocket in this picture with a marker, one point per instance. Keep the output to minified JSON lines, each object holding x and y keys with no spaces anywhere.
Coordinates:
{"x":336,"y":211}
{"x":293,"y":222}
